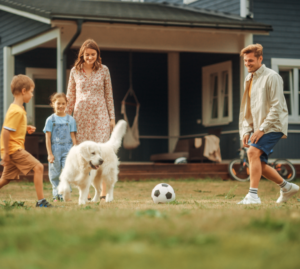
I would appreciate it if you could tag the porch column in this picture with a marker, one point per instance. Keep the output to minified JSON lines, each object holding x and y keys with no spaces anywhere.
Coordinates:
{"x":59,"y":64}
{"x":173,"y":98}
{"x":247,"y":40}
{"x":8,"y":73}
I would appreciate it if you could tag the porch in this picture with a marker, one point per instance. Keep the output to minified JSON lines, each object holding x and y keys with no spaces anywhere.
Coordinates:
{"x":131,"y":171}
{"x":147,"y":171}
{"x":187,"y":76}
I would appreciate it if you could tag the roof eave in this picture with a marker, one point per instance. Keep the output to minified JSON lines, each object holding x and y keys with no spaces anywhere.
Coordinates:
{"x":219,"y":26}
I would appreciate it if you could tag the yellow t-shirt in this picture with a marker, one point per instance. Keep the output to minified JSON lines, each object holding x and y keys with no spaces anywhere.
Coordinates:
{"x":16,"y":122}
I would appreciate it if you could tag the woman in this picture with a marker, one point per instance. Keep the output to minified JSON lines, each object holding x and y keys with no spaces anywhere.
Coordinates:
{"x":90,"y":95}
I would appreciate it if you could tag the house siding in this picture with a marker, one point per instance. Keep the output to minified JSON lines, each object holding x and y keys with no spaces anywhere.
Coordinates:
{"x":14,"y":29}
{"x":150,"y":83}
{"x":283,"y":42}
{"x":191,"y":97}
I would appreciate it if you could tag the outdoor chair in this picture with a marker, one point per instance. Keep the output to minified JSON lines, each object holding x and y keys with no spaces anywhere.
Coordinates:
{"x":196,"y":154}
{"x":181,"y":150}
{"x":186,"y":148}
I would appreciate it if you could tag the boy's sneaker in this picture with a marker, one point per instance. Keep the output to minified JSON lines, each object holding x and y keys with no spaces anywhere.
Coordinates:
{"x":44,"y":203}
{"x":248,"y":200}
{"x":285,"y":195}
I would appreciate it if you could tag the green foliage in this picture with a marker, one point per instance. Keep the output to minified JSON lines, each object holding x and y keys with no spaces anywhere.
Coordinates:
{"x":230,"y":194}
{"x":201,"y":206}
{"x":175,"y":202}
{"x":150,"y":213}
{"x":268,"y":223}
{"x":205,"y":232}
{"x":88,"y":207}
{"x":9,"y":205}
{"x":202,"y":191}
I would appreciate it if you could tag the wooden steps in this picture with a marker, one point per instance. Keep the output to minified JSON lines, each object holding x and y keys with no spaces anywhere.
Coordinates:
{"x":147,"y":171}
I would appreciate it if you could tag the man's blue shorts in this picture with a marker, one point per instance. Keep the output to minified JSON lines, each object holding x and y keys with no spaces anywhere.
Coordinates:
{"x":266,"y":143}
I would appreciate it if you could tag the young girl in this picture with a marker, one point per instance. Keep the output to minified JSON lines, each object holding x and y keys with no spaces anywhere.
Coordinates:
{"x":60,"y":131}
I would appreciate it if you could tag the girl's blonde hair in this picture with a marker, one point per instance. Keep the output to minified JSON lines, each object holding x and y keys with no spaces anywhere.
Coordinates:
{"x":55,"y":96}
{"x":88,"y":44}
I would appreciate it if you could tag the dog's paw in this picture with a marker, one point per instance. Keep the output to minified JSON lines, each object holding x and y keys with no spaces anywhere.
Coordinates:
{"x":109,"y":198}
{"x":81,"y":202}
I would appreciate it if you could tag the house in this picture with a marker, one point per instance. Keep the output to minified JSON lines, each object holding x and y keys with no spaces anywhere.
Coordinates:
{"x":186,"y":69}
{"x":281,"y":52}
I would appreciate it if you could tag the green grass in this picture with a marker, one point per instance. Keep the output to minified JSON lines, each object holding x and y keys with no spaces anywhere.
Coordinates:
{"x":200,"y":229}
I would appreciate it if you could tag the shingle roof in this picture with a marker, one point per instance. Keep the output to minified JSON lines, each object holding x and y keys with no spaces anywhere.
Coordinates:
{"x":132,"y":12}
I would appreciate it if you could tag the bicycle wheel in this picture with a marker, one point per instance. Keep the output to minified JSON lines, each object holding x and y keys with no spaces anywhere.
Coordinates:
{"x":285,"y":169}
{"x":239,"y":170}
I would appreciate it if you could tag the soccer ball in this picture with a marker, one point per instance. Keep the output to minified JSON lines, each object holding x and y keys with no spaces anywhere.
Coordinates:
{"x":163,"y":193}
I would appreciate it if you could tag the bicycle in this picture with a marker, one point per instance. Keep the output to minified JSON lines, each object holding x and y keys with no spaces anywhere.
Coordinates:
{"x":239,"y":168}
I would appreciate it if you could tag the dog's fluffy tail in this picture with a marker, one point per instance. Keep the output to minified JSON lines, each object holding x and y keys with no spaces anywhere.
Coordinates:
{"x":64,"y":189}
{"x":117,"y":135}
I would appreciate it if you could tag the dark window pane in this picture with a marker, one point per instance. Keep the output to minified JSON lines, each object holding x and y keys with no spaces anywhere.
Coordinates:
{"x":216,"y":86}
{"x":288,"y":102}
{"x":225,"y":76}
{"x":43,"y":89}
{"x":41,"y":114}
{"x":214,"y":114}
{"x":286,"y":80}
{"x":298,"y":104}
{"x":225,"y":109}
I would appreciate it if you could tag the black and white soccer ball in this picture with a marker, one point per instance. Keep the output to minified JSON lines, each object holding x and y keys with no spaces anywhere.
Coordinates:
{"x":163,"y":193}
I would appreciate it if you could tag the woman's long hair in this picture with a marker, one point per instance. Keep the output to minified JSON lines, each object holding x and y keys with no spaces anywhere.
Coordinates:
{"x":88,"y":44}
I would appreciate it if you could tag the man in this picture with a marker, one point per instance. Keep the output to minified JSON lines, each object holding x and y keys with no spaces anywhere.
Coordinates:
{"x":264,"y":113}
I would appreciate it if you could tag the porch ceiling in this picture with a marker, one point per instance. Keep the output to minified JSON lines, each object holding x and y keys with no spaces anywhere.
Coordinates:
{"x":135,"y":13}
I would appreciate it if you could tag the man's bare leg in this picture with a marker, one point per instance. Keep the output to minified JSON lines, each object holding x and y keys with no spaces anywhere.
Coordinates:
{"x":38,"y":180}
{"x":255,"y":166}
{"x":271,"y":174}
{"x":255,"y":176}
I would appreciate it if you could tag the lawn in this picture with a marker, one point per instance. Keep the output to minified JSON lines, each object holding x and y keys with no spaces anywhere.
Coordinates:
{"x":203,"y":228}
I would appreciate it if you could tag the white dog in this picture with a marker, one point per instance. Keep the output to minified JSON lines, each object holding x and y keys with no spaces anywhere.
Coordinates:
{"x":98,"y":158}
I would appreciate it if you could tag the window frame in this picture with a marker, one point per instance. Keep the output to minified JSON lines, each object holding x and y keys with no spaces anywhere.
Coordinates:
{"x":278,"y":64}
{"x":40,"y":73}
{"x":207,"y":72}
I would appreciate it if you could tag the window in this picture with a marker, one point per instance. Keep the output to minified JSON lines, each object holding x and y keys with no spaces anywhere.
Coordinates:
{"x":287,"y":77}
{"x":217,"y":94}
{"x":289,"y":70}
{"x":39,"y":109}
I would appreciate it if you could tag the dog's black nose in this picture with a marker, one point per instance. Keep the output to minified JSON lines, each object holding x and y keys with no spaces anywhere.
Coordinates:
{"x":101,"y":162}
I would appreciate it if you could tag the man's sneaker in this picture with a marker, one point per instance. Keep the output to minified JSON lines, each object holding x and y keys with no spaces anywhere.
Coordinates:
{"x":249,"y":200}
{"x":44,"y":203}
{"x":284,"y":196}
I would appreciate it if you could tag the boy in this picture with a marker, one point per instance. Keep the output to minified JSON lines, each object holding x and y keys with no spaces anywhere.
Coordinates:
{"x":14,"y":157}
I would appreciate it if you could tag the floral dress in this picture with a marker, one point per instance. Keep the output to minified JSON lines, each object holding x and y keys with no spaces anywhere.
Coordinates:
{"x":92,"y":101}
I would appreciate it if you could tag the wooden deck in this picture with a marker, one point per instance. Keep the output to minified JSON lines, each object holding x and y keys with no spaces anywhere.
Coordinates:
{"x":147,"y":171}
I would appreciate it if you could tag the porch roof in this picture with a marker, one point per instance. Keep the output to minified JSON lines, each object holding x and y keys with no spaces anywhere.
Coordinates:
{"x":164,"y":14}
